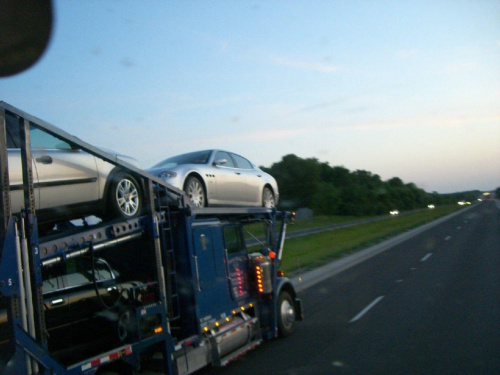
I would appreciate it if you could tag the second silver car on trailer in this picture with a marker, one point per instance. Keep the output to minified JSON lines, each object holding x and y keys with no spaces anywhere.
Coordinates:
{"x":218,"y":178}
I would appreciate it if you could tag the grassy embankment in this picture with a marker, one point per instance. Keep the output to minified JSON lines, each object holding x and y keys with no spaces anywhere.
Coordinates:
{"x":316,"y":249}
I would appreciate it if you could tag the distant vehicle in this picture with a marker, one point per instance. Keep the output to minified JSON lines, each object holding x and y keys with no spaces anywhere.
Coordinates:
{"x":218,"y":178}
{"x":394,"y":212}
{"x":431,"y":206}
{"x":69,"y":182}
{"x":75,"y":314}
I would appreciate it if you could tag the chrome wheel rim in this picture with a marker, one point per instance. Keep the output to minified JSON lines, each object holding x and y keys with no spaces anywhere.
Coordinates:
{"x":127,"y":197}
{"x":195,"y":193}
{"x":287,"y":314}
{"x":268,"y":198}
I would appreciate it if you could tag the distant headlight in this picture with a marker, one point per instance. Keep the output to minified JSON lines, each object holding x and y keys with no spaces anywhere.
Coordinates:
{"x":166,"y":175}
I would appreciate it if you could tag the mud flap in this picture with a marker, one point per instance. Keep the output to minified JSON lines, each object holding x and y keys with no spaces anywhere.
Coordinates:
{"x":299,"y":315}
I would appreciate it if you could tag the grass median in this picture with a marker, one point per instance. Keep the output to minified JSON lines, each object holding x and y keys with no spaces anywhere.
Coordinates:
{"x":313,"y":250}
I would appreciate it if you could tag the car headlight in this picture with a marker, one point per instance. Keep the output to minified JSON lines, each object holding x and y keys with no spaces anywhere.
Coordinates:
{"x":166,"y":175}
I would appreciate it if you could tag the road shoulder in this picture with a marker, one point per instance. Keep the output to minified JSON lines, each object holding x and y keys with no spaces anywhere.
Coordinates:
{"x":310,"y":278}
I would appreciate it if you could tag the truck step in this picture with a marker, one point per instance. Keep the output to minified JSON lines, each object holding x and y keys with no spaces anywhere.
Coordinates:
{"x":241,"y":351}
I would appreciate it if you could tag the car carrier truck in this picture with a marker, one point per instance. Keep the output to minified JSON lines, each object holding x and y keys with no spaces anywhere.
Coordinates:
{"x":176,"y":288}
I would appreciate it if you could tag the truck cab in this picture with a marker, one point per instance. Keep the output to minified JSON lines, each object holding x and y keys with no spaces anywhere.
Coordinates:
{"x":229,"y":278}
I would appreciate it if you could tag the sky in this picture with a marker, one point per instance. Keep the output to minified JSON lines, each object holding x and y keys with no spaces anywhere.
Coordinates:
{"x":407,"y":89}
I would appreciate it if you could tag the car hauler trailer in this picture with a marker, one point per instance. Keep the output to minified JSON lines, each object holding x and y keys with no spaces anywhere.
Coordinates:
{"x":178,"y":287}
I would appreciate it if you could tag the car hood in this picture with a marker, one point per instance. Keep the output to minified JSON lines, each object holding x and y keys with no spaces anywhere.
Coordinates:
{"x":156,"y":171}
{"x":125,"y":158}
{"x":174,"y":168}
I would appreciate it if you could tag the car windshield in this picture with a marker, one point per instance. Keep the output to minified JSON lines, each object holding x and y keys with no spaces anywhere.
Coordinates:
{"x":199,"y":157}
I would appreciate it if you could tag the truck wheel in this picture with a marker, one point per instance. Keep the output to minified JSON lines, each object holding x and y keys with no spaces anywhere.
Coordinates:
{"x":195,"y":191}
{"x":125,"y":196}
{"x":267,"y":198}
{"x":286,"y":314}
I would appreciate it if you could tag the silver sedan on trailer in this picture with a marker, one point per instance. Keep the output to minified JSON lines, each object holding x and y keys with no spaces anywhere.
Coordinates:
{"x":218,"y":178}
{"x":69,"y":182}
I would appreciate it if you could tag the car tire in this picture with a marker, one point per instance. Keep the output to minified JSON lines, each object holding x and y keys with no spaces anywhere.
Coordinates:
{"x":125,"y":196}
{"x":286,"y":314}
{"x":195,"y":191}
{"x":268,"y":198}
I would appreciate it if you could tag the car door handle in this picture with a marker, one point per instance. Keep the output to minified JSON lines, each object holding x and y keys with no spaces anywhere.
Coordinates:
{"x":45,"y":159}
{"x":57,"y":302}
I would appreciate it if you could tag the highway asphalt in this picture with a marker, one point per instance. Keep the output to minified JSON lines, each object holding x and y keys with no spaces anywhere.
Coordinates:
{"x":310,"y":278}
{"x":425,"y":302}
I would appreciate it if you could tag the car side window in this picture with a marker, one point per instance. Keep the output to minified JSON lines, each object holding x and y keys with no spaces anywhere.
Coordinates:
{"x":241,"y":162}
{"x":52,"y":277}
{"x":102,"y":272}
{"x":224,"y":155}
{"x":38,"y":138}
{"x":75,"y":272}
{"x":13,"y":136}
{"x":41,"y":139}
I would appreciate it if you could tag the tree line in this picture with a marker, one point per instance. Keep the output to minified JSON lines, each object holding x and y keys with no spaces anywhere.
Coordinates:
{"x":335,"y":190}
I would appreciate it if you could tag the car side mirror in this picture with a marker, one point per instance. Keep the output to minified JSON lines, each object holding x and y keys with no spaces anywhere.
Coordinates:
{"x":220,"y":162}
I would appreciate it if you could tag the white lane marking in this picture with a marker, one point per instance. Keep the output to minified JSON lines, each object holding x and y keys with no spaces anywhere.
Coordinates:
{"x":447,"y":238}
{"x":426,"y":257}
{"x":366,"y":309}
{"x":338,"y":364}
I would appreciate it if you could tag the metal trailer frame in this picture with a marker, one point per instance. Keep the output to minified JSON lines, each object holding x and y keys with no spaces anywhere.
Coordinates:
{"x":29,"y":355}
{"x":18,"y":235}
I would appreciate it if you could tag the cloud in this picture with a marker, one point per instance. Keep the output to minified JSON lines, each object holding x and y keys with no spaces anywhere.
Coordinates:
{"x":460,"y":67}
{"x":317,"y":67}
{"x":323,"y":105}
{"x":407,"y":54}
{"x":254,"y":135}
{"x":433,"y":121}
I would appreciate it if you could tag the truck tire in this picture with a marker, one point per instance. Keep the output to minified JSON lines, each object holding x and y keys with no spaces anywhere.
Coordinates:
{"x":286,"y":314}
{"x":125,"y":196}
